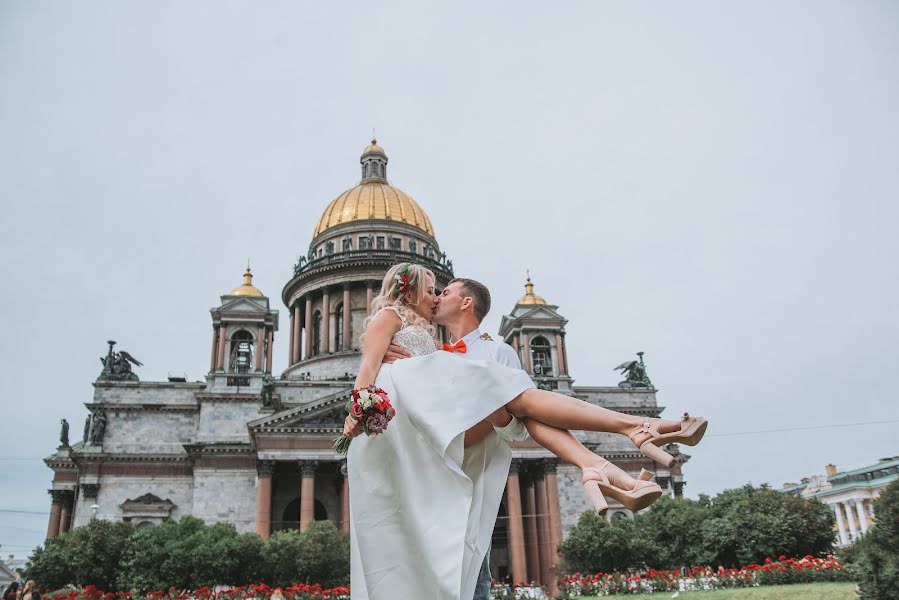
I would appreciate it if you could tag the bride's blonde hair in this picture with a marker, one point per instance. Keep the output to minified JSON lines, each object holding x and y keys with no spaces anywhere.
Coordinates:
{"x":393,"y":295}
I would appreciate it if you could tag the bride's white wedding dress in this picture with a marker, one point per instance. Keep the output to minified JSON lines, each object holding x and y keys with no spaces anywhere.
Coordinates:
{"x":423,"y":507}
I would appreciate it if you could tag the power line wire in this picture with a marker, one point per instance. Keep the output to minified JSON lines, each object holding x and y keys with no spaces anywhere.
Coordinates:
{"x":812,"y":427}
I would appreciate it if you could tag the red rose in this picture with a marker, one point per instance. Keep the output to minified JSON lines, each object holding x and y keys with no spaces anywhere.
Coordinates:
{"x":356,"y":409}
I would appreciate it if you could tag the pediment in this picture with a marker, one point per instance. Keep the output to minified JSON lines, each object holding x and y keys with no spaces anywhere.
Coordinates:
{"x":327,"y":411}
{"x":242,"y":304}
{"x":546,"y":313}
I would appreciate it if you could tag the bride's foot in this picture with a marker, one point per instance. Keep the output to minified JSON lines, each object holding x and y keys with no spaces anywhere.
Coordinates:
{"x":606,"y":478}
{"x":652,"y":433}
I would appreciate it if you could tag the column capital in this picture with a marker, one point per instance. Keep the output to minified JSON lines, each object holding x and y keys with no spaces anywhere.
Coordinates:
{"x":308,"y":467}
{"x":65,"y":497}
{"x":516,"y":466}
{"x":265,"y":468}
{"x":550,"y":464}
{"x":90,"y":490}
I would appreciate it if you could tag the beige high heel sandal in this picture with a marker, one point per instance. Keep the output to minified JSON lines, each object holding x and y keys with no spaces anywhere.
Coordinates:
{"x":691,"y":431}
{"x":596,"y":482}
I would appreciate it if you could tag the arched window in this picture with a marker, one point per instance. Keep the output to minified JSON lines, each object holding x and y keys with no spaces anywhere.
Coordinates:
{"x":542,"y":358}
{"x":316,"y":333}
{"x":338,"y":327}
{"x":241,"y":357}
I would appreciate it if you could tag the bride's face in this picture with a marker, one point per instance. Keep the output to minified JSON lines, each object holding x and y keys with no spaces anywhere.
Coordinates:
{"x":429,"y":301}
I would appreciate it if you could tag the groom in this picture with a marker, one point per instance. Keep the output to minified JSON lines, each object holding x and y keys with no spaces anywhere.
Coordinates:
{"x":461,"y":307}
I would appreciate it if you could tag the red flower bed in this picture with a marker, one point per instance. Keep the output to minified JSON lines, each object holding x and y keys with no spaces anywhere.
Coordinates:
{"x":254,"y":591}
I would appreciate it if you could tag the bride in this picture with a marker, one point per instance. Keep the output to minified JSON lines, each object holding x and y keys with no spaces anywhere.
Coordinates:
{"x":422,"y":510}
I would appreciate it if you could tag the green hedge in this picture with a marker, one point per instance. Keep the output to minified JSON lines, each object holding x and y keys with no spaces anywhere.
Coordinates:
{"x":874,"y":560}
{"x":188,"y":554}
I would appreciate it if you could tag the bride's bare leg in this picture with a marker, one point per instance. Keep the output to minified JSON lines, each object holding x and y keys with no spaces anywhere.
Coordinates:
{"x":565,"y":412}
{"x":568,"y":448}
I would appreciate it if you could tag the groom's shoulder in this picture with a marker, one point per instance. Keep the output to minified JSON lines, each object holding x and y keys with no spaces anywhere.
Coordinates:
{"x":502,"y":352}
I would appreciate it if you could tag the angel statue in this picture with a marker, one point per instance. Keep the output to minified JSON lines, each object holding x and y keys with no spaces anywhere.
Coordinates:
{"x":635,"y":374}
{"x":117,"y":366}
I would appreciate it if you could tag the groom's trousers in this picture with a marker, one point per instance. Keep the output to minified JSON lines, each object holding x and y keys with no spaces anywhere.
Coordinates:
{"x":482,"y":590}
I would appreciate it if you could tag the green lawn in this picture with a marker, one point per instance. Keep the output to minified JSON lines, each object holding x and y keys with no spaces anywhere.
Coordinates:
{"x":807,"y":591}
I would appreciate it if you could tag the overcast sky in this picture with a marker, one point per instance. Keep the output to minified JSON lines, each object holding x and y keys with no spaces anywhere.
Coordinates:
{"x":714,"y":183}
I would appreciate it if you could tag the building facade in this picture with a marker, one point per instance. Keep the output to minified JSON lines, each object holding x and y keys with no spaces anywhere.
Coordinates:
{"x":851,"y":495}
{"x":254,"y":449}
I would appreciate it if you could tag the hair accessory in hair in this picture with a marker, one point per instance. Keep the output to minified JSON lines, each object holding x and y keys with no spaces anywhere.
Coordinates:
{"x":403,"y":280}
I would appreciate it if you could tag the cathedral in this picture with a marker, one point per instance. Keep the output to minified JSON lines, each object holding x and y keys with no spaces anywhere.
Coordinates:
{"x":253,"y":448}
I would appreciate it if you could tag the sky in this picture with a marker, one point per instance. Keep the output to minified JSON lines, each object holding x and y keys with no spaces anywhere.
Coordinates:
{"x":712,"y":183}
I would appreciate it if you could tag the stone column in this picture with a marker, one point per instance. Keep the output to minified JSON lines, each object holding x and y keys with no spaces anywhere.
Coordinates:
{"x":563,"y":368}
{"x":55,"y":510}
{"x":853,"y":532}
{"x":530,"y":532}
{"x":345,"y":501}
{"x":555,"y":523}
{"x":264,"y":471}
{"x":515,"y":345}
{"x":516,"y":530}
{"x":565,"y":353}
{"x":307,"y":493}
{"x":326,"y":322}
{"x":270,"y":339}
{"x":260,"y":346}
{"x":308,"y":326}
{"x":369,"y":294}
{"x":347,"y":335}
{"x":862,"y":517}
{"x":220,"y":364}
{"x":290,"y":346}
{"x":527,"y":353}
{"x":215,"y":339}
{"x":543,"y":542}
{"x":65,"y":514}
{"x":297,"y":333}
{"x":841,"y":528}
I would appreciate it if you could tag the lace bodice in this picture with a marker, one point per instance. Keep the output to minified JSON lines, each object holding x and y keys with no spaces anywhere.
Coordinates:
{"x":414,"y":339}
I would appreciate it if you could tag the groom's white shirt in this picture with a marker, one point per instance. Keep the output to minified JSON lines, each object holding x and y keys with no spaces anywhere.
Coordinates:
{"x":504,"y":354}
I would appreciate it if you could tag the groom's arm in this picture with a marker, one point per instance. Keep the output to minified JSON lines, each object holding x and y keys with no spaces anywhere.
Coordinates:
{"x":514,"y":430}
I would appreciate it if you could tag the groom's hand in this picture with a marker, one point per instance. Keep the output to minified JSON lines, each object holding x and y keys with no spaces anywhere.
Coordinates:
{"x":395,"y":353}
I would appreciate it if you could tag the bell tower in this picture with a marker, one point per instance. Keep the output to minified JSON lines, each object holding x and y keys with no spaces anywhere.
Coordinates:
{"x":244,"y":329}
{"x":536,"y":330}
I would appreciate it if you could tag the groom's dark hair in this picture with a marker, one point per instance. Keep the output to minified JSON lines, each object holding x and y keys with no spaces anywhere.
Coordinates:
{"x":479,"y":293}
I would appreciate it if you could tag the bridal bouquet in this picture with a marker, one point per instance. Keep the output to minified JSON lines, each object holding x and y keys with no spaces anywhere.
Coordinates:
{"x":371,"y":407}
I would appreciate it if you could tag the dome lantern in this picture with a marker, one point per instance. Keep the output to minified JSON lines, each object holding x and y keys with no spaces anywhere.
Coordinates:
{"x":529,"y":296}
{"x":247,"y":289}
{"x":374,"y":163}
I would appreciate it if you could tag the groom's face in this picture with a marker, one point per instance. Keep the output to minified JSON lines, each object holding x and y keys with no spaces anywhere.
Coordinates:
{"x":450,"y":305}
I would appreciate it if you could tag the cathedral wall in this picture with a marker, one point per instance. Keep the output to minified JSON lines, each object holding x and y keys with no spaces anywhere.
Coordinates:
{"x":148,"y":431}
{"x":613,"y":397}
{"x":330,"y":367}
{"x":226,"y":421}
{"x":116,"y":490}
{"x":226,"y":496}
{"x":146,"y":393}
{"x":302,"y":393}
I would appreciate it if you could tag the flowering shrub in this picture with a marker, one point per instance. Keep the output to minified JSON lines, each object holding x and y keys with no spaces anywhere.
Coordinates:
{"x":249,"y":592}
{"x":782,"y":571}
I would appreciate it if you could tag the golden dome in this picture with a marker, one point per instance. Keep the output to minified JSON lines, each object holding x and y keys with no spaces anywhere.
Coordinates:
{"x":529,"y":296}
{"x":374,"y":200}
{"x":247,"y":289}
{"x":373,"y":148}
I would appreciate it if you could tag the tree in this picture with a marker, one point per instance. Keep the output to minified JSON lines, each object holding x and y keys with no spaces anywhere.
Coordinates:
{"x":89,"y":555}
{"x":279,"y":555}
{"x":594,"y":545}
{"x":874,"y":559}
{"x":325,"y":555}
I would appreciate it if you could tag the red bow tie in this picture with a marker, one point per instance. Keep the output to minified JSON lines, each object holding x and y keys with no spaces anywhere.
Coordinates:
{"x":459,"y":347}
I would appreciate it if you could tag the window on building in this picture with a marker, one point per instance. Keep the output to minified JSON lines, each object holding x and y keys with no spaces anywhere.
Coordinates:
{"x":241,"y":352}
{"x":380,"y":242}
{"x":365,"y":242}
{"x":413,"y":245}
{"x":396,"y":243}
{"x":541,"y":356}
{"x":316,"y":333}
{"x":329,"y":247}
{"x":347,"y":244}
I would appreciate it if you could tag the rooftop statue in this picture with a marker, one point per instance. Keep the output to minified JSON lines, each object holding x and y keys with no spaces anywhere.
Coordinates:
{"x":635,"y":373}
{"x":117,"y":366}
{"x":64,"y":434}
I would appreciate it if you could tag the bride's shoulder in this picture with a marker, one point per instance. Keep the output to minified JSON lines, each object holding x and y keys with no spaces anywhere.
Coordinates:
{"x":388,"y":315}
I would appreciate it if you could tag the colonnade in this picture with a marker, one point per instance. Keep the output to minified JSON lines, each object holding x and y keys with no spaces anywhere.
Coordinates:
{"x":846,"y":513}
{"x":61,"y":509}
{"x":301,"y":346}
